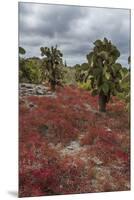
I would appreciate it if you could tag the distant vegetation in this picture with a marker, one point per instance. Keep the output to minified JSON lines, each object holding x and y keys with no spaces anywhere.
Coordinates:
{"x":101,"y":75}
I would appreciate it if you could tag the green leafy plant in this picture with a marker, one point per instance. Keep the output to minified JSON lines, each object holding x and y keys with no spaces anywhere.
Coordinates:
{"x":52,"y":65}
{"x":80,"y":73}
{"x":22,"y":51}
{"x":104,"y":72}
{"x":30,"y":70}
{"x":85,"y":86}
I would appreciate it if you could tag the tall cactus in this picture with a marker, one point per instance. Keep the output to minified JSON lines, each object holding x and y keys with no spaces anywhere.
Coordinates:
{"x":103,"y":71}
{"x":52,"y":63}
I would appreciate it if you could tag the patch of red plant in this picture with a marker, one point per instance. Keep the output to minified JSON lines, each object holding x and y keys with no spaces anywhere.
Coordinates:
{"x":61,"y":120}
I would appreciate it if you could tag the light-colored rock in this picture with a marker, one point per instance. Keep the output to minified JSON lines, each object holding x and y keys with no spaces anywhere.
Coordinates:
{"x":109,"y":130}
{"x":39,"y":92}
{"x":27,"y":89}
{"x":89,"y":108}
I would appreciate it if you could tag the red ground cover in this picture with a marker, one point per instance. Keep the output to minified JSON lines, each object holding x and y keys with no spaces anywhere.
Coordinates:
{"x":50,"y":165}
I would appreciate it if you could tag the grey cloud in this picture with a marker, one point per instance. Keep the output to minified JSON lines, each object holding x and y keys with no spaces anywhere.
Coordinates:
{"x":57,"y":21}
{"x":73,"y":28}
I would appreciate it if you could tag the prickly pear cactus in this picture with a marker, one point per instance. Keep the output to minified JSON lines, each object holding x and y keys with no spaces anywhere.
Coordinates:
{"x":103,"y":71}
{"x":52,"y":64}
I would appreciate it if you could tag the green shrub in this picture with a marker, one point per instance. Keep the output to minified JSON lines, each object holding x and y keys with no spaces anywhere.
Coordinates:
{"x":69,"y":76}
{"x":30,"y":71}
{"x":85,"y":86}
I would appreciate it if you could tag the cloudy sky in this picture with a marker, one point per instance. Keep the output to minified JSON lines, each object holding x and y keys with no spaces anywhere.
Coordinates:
{"x":73,"y":29}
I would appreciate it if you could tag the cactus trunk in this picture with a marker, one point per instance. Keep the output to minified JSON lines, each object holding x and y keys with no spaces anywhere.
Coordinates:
{"x":53,"y":85}
{"x":102,"y":102}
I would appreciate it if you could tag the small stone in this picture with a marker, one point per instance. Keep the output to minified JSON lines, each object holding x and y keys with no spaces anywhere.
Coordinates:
{"x":23,"y":85}
{"x":29,"y":86}
{"x":39,"y":92}
{"x":38,"y":88}
{"x":45,"y":88}
{"x":30,"y":90}
{"x":49,"y":93}
{"x":109,"y":130}
{"x":70,"y":148}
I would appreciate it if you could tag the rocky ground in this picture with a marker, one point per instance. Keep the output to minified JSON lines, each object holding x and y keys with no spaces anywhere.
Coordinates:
{"x":27,"y":89}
